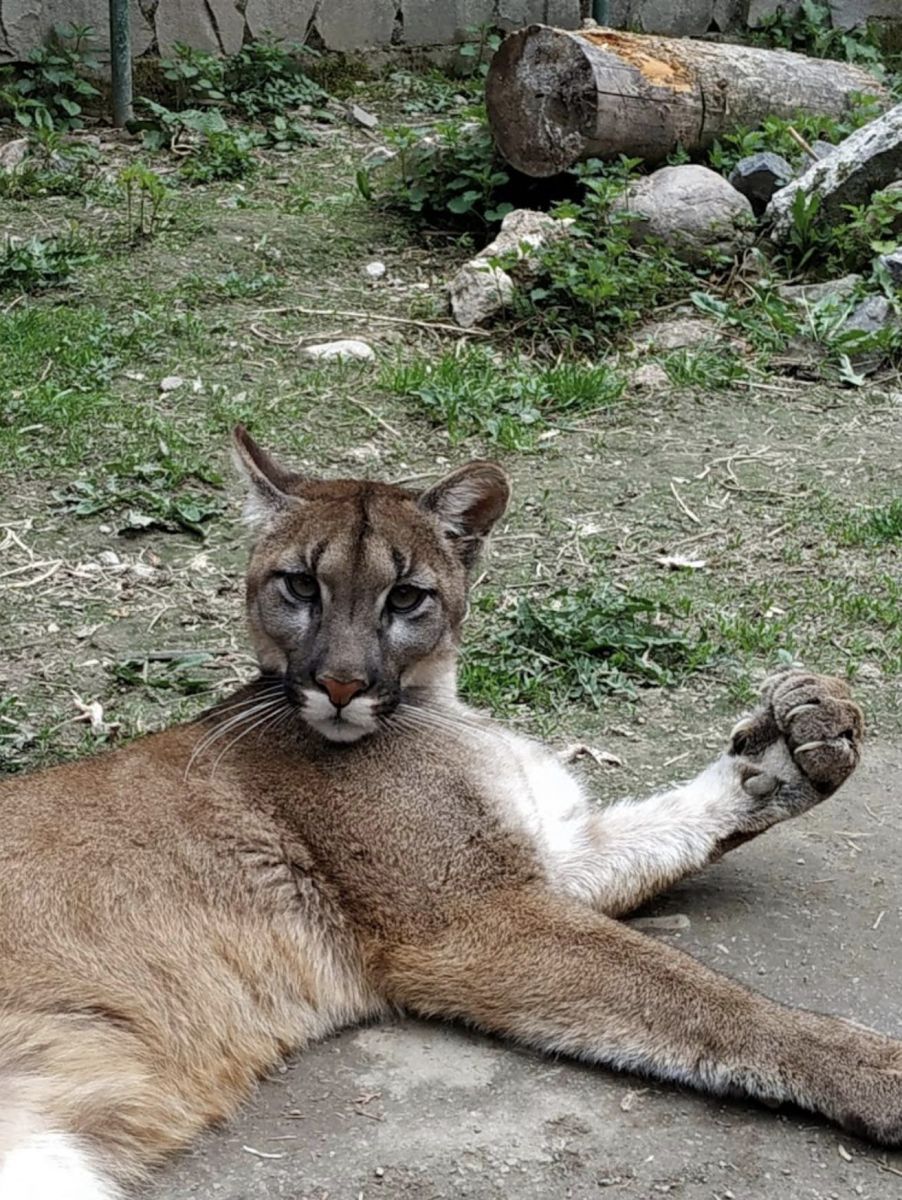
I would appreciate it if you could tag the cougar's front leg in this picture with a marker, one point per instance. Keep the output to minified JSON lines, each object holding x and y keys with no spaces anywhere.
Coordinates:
{"x":548,"y":971}
{"x":784,"y":758}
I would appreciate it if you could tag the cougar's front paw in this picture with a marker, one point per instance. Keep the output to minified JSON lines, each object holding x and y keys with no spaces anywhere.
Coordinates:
{"x":822,"y":725}
{"x":812,"y":720}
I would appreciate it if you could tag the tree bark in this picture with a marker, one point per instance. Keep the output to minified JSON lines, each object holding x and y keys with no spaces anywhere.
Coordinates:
{"x":868,"y":160}
{"x":555,"y":97}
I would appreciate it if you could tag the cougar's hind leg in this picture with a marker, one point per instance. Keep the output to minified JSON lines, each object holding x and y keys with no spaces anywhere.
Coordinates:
{"x":551,"y":973}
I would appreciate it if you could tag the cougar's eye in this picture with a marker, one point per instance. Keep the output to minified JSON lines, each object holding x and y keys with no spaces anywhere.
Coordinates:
{"x":302,"y":586}
{"x":405,"y":598}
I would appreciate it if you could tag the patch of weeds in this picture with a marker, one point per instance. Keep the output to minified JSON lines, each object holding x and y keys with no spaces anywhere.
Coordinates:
{"x":427,"y":92}
{"x":870,"y":527}
{"x":52,"y":167}
{"x":709,"y":369}
{"x":298,"y":200}
{"x":764,"y":318}
{"x":164,"y":127}
{"x":808,"y":29}
{"x":842,"y":246}
{"x":146,"y":199}
{"x":477,"y":51}
{"x":145,"y":498}
{"x":471,"y":396}
{"x":773,"y":134}
{"x":231,"y":285}
{"x":283,"y":133}
{"x":263,"y":78}
{"x":577,"y":646}
{"x":593,"y":282}
{"x":450,"y":173}
{"x":221,"y":155}
{"x":38,"y":263}
{"x":181,"y":674}
{"x":48,"y":91}
{"x":62,"y":411}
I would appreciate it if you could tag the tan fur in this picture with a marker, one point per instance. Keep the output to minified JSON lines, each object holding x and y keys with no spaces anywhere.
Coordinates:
{"x":178,"y":915}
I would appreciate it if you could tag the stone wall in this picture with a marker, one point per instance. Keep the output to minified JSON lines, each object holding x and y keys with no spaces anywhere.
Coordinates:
{"x":220,"y":26}
{"x":694,"y":17}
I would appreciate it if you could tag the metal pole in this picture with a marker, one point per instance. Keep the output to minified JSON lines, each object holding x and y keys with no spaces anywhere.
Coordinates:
{"x":121,"y":61}
{"x":600,"y":12}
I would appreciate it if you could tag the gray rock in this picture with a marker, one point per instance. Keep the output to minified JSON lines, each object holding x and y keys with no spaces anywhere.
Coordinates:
{"x":649,"y":377}
{"x":344,"y":350}
{"x":758,"y":177}
{"x":479,"y":290}
{"x":13,"y":154}
{"x":892,"y":263}
{"x":692,"y":210}
{"x":680,"y":333}
{"x":441,"y":22}
{"x":813,"y":293}
{"x":865,"y":162}
{"x":872,"y":314}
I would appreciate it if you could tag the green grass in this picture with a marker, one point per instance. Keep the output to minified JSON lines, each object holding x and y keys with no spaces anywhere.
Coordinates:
{"x":510,"y":404}
{"x":708,"y":368}
{"x":870,"y":527}
{"x":577,"y":646}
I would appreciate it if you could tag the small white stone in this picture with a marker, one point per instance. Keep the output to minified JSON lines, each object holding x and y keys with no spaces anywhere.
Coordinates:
{"x":343,"y":350}
{"x":375,"y":270}
{"x":109,"y":558}
{"x":170,"y":383}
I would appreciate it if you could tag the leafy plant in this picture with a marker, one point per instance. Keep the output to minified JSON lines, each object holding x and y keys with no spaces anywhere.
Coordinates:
{"x":36,"y":263}
{"x":773,"y":134}
{"x":471,"y":397}
{"x":52,"y":167}
{"x":146,"y":197}
{"x":144,"y":499}
{"x":705,"y":368}
{"x":871,"y":527}
{"x":477,"y":51}
{"x":49,"y":90}
{"x":808,"y":29}
{"x":265,"y":77}
{"x":220,"y":156}
{"x":450,"y":172}
{"x":594,"y":282}
{"x":165,"y":127}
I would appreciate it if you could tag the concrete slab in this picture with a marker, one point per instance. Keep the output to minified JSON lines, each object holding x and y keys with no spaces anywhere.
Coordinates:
{"x":811,"y":914}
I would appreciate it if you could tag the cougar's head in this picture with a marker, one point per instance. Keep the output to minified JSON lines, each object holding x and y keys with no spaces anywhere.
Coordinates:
{"x":356,"y":591}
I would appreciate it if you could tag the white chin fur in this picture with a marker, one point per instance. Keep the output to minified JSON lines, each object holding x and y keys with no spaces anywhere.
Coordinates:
{"x":357,"y":719}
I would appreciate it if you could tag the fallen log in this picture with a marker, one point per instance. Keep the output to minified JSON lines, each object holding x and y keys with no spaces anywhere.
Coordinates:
{"x":867,"y":161}
{"x":556,"y":97}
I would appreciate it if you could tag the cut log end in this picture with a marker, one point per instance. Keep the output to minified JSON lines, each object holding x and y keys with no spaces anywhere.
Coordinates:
{"x":541,"y":100}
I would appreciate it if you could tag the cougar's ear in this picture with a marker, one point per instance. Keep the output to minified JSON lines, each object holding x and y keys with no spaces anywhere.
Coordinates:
{"x":269,"y":486}
{"x":467,"y":504}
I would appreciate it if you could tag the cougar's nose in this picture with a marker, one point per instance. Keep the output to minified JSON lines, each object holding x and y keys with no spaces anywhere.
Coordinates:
{"x":341,"y":692}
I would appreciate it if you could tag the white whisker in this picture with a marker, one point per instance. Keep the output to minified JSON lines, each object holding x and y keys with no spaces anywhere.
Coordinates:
{"x":219,"y":731}
{"x":264,"y":721}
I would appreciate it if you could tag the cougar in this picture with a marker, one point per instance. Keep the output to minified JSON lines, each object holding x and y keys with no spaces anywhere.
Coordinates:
{"x":344,"y":837}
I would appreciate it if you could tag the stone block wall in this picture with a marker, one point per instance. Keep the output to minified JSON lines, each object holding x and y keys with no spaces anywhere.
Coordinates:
{"x":220,"y":26}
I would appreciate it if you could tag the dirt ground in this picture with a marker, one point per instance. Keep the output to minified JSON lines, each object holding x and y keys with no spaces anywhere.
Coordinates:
{"x":114,"y":610}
